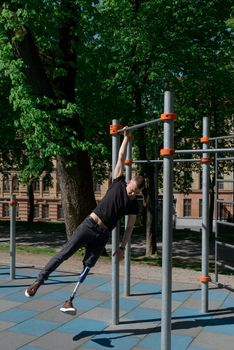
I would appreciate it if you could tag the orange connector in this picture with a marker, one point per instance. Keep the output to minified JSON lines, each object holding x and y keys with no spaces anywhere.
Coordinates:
{"x":12,"y":203}
{"x":168,"y":116}
{"x":205,"y":279}
{"x":204,"y":139}
{"x":114,"y":128}
{"x":128,"y":162}
{"x":205,"y":160}
{"x":167,"y":151}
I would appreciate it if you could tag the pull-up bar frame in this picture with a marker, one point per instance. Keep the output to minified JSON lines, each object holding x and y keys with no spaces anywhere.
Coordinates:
{"x":168,"y":154}
{"x":141,"y":125}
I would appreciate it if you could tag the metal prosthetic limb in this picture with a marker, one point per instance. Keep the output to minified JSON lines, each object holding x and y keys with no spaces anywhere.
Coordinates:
{"x":68,"y":307}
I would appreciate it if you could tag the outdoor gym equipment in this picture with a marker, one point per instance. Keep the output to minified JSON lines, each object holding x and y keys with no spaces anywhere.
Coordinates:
{"x":168,"y":153}
{"x":68,"y":307}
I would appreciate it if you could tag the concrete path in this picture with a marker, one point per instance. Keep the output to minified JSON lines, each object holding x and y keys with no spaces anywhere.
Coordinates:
{"x":37,"y":323}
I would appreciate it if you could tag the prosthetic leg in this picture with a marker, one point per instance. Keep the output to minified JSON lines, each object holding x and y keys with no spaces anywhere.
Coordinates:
{"x":68,"y":307}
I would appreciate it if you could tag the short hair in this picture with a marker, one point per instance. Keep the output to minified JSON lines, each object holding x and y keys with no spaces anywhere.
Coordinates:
{"x":140,"y":181}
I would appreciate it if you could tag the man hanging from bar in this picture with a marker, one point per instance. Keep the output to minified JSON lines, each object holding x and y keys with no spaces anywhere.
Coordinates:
{"x":93,"y":232}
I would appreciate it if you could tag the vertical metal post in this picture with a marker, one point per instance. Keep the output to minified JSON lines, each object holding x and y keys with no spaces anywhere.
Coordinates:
{"x":167,"y":224}
{"x":216,"y":212}
{"x":127,"y":262}
{"x":115,"y":239}
{"x":205,"y":219}
{"x":12,"y":235}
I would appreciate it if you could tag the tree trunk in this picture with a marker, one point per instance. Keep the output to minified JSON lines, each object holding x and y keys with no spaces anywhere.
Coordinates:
{"x":76,"y":188}
{"x":31,"y":202}
{"x":151,"y":247}
{"x":76,"y":180}
{"x":211,"y":210}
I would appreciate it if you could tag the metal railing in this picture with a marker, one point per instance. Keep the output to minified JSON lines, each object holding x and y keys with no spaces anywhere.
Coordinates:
{"x":220,"y":205}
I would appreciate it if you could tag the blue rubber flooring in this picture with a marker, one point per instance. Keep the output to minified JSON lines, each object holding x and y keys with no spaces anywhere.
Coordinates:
{"x":36,"y":323}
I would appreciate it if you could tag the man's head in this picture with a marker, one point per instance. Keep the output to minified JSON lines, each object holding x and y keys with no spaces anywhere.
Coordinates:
{"x":135,"y":186}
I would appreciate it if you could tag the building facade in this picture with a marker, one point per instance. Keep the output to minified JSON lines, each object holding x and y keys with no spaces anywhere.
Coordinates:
{"x":47,"y":197}
{"x":188,"y":208}
{"x":48,"y":207}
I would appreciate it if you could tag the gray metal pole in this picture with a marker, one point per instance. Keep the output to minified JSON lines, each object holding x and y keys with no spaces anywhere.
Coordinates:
{"x":205,"y":219}
{"x":13,"y":204}
{"x":208,"y":150}
{"x":127,"y":262}
{"x":216,"y":212}
{"x":188,"y":160}
{"x":167,"y":224}
{"x":137,"y":126}
{"x":115,"y":239}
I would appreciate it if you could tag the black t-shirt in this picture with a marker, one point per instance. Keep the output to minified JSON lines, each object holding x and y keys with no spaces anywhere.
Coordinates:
{"x":116,"y":204}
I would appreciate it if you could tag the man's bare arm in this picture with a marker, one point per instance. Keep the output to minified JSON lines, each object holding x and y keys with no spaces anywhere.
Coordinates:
{"x":119,"y":168}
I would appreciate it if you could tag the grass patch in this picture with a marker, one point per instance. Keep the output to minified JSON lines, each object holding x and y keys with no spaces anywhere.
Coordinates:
{"x":24,"y":249}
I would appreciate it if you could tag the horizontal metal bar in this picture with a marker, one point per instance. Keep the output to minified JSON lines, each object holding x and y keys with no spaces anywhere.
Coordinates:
{"x":141,"y":125}
{"x":161,"y":161}
{"x":226,"y":180}
{"x":225,"y":244}
{"x":222,"y":137}
{"x":225,"y":223}
{"x":209,"y":150}
{"x":225,"y":158}
{"x":187,"y":160}
{"x":3,"y":202}
{"x":225,"y":265}
{"x":224,"y":202}
{"x":148,"y":161}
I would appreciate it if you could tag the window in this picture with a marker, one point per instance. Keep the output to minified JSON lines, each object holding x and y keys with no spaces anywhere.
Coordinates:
{"x":36,"y":185}
{"x":36,"y":211}
{"x":15,"y":184}
{"x":96,"y":187}
{"x":220,"y":183}
{"x":60,"y":212}
{"x":5,"y":210}
{"x":187,"y":207}
{"x":200,"y":180}
{"x":6,"y":183}
{"x":46,"y":183}
{"x":200,"y":208}
{"x":58,"y":190}
{"x":45,"y":211}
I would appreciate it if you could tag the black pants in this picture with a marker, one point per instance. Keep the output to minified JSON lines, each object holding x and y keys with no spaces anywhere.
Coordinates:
{"x":89,"y":235}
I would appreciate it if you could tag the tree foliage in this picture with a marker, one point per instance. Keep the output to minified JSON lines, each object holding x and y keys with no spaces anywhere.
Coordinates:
{"x":70,"y":67}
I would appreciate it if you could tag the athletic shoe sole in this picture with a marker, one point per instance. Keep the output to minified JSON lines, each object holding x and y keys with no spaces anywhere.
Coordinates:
{"x":27,"y":295}
{"x":69,"y":311}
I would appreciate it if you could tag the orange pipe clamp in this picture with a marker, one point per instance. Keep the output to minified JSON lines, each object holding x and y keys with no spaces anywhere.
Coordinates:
{"x":12,"y":203}
{"x":114,"y":128}
{"x":205,"y":279}
{"x":204,"y":160}
{"x":204,"y":139}
{"x":168,"y":116}
{"x":128,"y":161}
{"x":167,"y":151}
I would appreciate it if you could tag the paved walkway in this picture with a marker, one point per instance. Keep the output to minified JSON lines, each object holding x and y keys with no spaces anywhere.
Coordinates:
{"x":37,"y":323}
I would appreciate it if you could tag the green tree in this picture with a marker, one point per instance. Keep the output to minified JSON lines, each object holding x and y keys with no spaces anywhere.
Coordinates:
{"x":39,"y":47}
{"x":152,"y":46}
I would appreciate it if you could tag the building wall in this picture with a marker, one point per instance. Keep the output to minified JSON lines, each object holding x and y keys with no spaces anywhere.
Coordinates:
{"x":225,"y":193}
{"x":48,"y":199}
